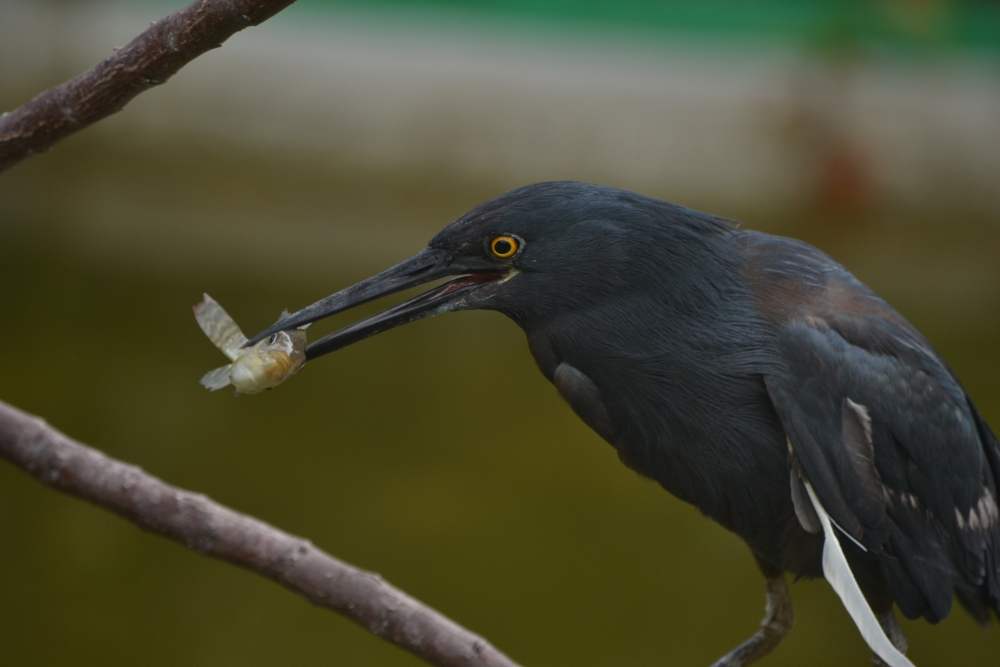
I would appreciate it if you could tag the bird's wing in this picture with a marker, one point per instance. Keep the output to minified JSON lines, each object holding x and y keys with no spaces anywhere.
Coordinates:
{"x":896,"y":454}
{"x":887,"y":437}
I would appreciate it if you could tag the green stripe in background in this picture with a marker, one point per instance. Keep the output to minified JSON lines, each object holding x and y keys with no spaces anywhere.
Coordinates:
{"x":908,"y":25}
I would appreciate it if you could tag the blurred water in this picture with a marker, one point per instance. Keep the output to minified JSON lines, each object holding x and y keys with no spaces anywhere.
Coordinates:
{"x":435,"y":454}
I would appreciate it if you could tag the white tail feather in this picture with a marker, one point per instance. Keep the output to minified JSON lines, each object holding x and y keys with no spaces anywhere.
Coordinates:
{"x":838,"y":573}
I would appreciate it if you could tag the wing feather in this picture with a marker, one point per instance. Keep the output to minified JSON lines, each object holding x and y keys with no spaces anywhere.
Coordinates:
{"x":896,"y":461}
{"x":884,"y":433}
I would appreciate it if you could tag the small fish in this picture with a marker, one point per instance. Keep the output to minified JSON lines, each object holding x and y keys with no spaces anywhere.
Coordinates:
{"x":254,"y":369}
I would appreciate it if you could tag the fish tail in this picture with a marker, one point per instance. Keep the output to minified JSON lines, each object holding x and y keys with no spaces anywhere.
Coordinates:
{"x":216,"y":379}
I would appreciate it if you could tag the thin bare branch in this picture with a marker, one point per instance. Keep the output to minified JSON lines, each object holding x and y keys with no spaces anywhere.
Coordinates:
{"x":148,"y":60}
{"x":214,"y":530}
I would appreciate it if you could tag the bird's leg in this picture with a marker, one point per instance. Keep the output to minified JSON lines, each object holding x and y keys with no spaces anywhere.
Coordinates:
{"x":888,"y":621}
{"x":779,"y":617}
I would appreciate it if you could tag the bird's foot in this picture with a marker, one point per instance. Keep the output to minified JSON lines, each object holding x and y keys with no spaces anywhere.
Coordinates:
{"x":779,"y":618}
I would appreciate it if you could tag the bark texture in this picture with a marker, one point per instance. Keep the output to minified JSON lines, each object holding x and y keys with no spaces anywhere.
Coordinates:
{"x":148,"y":60}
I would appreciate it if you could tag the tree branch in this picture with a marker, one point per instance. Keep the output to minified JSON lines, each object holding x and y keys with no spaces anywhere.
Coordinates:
{"x":211,"y":529}
{"x":148,"y":60}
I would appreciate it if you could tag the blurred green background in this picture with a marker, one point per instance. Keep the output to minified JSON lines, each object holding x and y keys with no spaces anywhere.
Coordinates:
{"x":333,"y":141}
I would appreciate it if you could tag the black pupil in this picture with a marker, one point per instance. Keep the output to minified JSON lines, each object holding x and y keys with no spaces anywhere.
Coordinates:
{"x":273,"y":338}
{"x":502,"y":247}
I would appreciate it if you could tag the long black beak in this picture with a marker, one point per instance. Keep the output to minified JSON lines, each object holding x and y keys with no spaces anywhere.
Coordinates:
{"x":425,"y":266}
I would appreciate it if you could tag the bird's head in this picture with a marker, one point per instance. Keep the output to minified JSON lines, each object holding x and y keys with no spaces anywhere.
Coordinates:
{"x":530,"y":253}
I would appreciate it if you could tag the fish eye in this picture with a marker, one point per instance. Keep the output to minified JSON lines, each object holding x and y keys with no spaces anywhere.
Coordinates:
{"x":504,"y":247}
{"x":272,"y":339}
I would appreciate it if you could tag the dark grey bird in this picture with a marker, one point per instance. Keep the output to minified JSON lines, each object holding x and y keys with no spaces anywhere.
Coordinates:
{"x":750,"y":375}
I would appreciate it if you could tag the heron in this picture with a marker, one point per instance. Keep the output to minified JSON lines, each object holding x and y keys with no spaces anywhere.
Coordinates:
{"x":750,"y":375}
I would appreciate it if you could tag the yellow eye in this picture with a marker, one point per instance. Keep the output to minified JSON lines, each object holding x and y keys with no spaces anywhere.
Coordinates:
{"x":504,"y":246}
